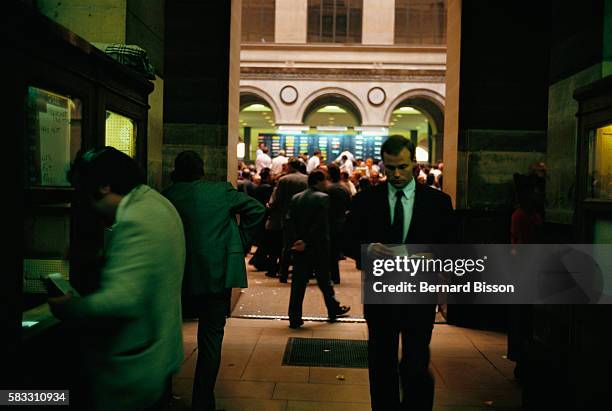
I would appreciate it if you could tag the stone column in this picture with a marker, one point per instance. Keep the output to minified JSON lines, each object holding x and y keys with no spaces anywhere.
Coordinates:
{"x":234,"y":91}
{"x":378,"y":22}
{"x":197,"y":97}
{"x":290,"y":21}
{"x":451,"y":114}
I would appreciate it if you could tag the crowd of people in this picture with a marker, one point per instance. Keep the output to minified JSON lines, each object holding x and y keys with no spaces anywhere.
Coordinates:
{"x":354,"y":172}
{"x":185,"y":247}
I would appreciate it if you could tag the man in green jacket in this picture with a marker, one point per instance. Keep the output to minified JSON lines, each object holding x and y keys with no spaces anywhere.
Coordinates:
{"x":216,"y":246}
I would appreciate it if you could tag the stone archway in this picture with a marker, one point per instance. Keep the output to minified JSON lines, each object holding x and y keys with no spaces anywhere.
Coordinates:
{"x":428,"y":105}
{"x":250,"y":94}
{"x":429,"y":101}
{"x":330,"y":95}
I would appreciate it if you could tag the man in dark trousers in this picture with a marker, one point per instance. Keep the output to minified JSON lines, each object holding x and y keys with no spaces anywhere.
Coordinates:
{"x":339,"y":201}
{"x":399,"y":211}
{"x":215,"y":246}
{"x":307,"y":232}
{"x":288,"y":185}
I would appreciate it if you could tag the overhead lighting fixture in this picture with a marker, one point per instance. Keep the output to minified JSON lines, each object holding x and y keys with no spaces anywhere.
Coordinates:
{"x":406,"y":110}
{"x":240,"y":151}
{"x":332,"y":128}
{"x":293,"y":129}
{"x":331,"y":109}
{"x":257,"y":107}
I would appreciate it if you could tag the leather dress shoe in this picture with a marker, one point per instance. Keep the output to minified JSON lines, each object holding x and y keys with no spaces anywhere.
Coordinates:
{"x":341,"y":312}
{"x":296,"y":324}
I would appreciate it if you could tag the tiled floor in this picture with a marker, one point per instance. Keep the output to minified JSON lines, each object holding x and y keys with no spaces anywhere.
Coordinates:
{"x":276,"y":295}
{"x":470,"y":370}
{"x":469,"y":366}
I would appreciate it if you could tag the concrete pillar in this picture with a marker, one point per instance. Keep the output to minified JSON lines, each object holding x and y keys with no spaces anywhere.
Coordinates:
{"x":451,"y":115}
{"x":378,"y":22}
{"x":234,"y":91}
{"x":290,"y":22}
{"x":199,"y":94}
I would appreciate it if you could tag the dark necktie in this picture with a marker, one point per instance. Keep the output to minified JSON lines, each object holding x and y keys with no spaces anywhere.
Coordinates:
{"x":398,"y":219}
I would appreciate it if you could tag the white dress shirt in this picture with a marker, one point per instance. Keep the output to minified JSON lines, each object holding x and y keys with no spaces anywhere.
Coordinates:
{"x":277,"y":165}
{"x":262,"y":161}
{"x":313,"y":162}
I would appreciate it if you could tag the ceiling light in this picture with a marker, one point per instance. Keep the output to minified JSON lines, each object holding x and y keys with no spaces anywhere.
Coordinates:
{"x":331,"y":109}
{"x":256,"y":107}
{"x":332,"y":128}
{"x":293,"y":128}
{"x":406,"y":110}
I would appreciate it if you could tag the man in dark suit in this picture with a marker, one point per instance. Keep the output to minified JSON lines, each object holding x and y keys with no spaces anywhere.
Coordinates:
{"x":339,"y":201}
{"x":288,"y":185}
{"x":307,"y":231}
{"x":399,"y":211}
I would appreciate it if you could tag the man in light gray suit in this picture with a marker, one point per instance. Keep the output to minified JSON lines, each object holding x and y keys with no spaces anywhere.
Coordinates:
{"x":131,"y":326}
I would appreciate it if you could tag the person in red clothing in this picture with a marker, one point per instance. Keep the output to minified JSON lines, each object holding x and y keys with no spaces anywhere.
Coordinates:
{"x":526,"y":228}
{"x":526,"y":221}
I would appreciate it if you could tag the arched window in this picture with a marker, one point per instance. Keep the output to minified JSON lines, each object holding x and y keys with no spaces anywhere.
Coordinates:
{"x":258,"y":21}
{"x":420,"y":22}
{"x":334,"y":21}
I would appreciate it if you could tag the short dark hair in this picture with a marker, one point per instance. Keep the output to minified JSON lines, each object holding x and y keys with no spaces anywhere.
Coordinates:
{"x":396,"y":143}
{"x":315,"y":177}
{"x":317,"y":151}
{"x":294,"y":163}
{"x":334,"y":173}
{"x":364,"y":183}
{"x":188,"y":166}
{"x":105,"y":166}
{"x":265,"y":173}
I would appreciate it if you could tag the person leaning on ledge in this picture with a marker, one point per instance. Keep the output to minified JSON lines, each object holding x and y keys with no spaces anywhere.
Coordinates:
{"x":216,"y":247}
{"x":132,"y":325}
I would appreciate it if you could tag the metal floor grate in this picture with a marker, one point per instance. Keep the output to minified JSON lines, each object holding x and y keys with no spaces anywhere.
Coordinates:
{"x":322,"y":352}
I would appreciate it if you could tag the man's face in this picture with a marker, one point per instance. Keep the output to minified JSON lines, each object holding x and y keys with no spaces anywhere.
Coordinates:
{"x":374,"y":178}
{"x":398,"y":168}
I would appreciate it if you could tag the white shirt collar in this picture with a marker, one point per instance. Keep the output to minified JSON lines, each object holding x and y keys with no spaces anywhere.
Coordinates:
{"x":408,"y":189}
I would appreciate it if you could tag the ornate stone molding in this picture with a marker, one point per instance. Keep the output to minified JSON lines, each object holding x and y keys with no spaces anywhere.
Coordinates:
{"x":307,"y":73}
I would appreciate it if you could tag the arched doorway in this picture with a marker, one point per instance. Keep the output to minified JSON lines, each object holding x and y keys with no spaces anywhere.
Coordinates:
{"x":256,"y":119}
{"x":331,"y":122}
{"x":422,"y":121}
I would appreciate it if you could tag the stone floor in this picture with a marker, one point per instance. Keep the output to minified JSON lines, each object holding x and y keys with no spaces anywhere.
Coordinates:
{"x":469,"y":366}
{"x":276,"y":295}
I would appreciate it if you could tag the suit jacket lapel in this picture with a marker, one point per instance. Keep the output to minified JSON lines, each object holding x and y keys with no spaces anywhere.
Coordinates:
{"x":386,"y":212}
{"x":417,"y":214}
